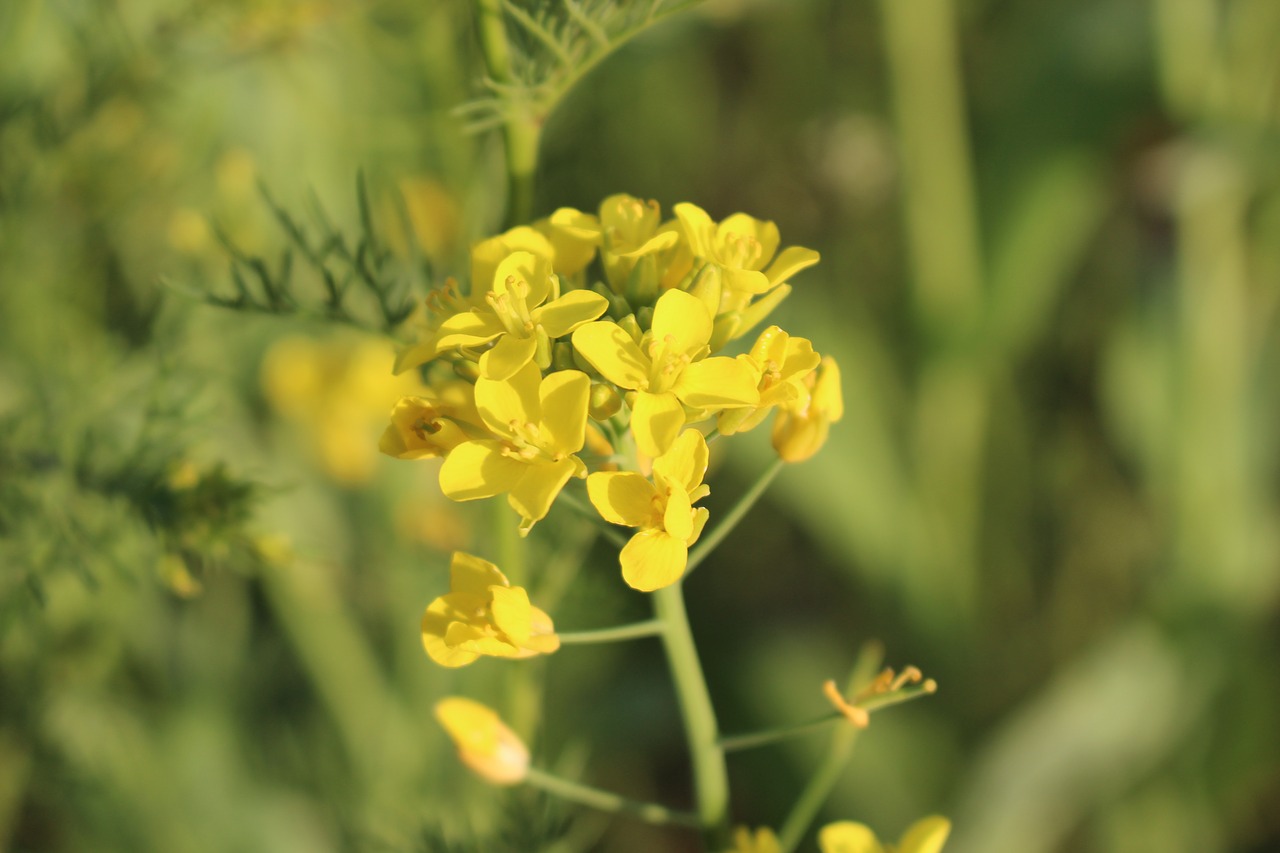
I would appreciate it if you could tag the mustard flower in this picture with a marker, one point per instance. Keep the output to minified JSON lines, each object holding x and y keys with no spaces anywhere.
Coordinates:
{"x":780,"y":362}
{"x":632,"y":229}
{"x":537,"y":426}
{"x":802,"y":425}
{"x":670,"y":372}
{"x":442,"y":303}
{"x":488,"y":255}
{"x":484,"y":615}
{"x":430,"y":425}
{"x":924,"y":836}
{"x":514,"y":317}
{"x":763,"y":840}
{"x":663,"y":511}
{"x":574,"y":237}
{"x":484,"y":743}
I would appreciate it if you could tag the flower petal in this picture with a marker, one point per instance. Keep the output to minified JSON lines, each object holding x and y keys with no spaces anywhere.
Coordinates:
{"x":472,"y":576}
{"x":699,"y":229}
{"x":622,"y":497}
{"x":533,"y":269}
{"x":513,"y":399}
{"x":716,"y":383}
{"x":488,"y":254}
{"x":485,"y":744}
{"x":845,"y":836}
{"x":678,"y":518}
{"x":435,"y":624}
{"x":656,"y":420}
{"x":754,"y":313}
{"x":653,"y":559}
{"x":682,"y":317}
{"x":561,"y":316}
{"x":609,"y":349}
{"x":925,"y":836}
{"x":791,"y":261}
{"x":762,"y":231}
{"x":468,"y":329}
{"x":542,"y":634}
{"x":542,"y":481}
{"x":508,"y":355}
{"x":685,"y":463}
{"x":564,"y":397}
{"x":479,"y":469}
{"x":512,"y":613}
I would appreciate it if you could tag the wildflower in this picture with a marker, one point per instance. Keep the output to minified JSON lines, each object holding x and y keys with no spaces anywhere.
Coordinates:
{"x":442,"y":303}
{"x":514,"y":319}
{"x":488,"y":254}
{"x":763,"y":840}
{"x":429,"y":426}
{"x":537,"y":426}
{"x":780,"y":362}
{"x":671,"y":371}
{"x":632,"y":230}
{"x":924,"y":836}
{"x":484,"y":615}
{"x":574,"y":237}
{"x":663,"y":511}
{"x":484,"y":742}
{"x":802,"y":425}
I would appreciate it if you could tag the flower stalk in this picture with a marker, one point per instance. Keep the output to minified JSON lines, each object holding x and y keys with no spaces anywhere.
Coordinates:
{"x":607,"y":801}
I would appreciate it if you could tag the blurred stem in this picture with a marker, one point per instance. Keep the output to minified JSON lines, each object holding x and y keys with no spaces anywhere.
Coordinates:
{"x":709,"y":542}
{"x":648,"y":628}
{"x":607,"y":801}
{"x":710,"y":777}
{"x":815,"y":793}
{"x":522,"y":706}
{"x":523,"y":126}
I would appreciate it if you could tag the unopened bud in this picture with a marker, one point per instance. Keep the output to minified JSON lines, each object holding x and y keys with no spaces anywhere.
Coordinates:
{"x":604,"y":402}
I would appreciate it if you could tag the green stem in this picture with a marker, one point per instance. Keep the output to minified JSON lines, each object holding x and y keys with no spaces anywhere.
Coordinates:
{"x":734,"y":743}
{"x":710,"y":777}
{"x":709,"y":542}
{"x":523,"y":127}
{"x":588,"y":512}
{"x":607,"y":801}
{"x":648,"y":628}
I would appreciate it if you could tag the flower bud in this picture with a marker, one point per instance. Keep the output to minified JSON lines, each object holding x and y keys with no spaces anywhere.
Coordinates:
{"x":605,"y":402}
{"x":485,"y":744}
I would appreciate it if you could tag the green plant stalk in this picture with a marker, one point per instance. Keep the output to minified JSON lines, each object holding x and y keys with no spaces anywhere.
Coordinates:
{"x":709,"y":542}
{"x":523,"y":127}
{"x":609,"y":802}
{"x":648,"y":628}
{"x":710,"y":776}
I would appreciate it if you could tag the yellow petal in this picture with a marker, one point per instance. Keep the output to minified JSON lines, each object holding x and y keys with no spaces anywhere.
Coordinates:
{"x":746,"y":281}
{"x":470,"y":575}
{"x":848,"y":837}
{"x":653,"y":559}
{"x":435,"y":624}
{"x":415,"y":354}
{"x":538,"y":487}
{"x":508,"y":355}
{"x":479,"y":640}
{"x":699,"y":229}
{"x":534,"y":270}
{"x":791,"y":261}
{"x":513,"y":399}
{"x":656,"y":420}
{"x":484,"y":742}
{"x":797,"y":438}
{"x":827,"y":396}
{"x":700,"y":516}
{"x":622,"y":497}
{"x":561,"y":316}
{"x":486,"y":255}
{"x":542,"y":635}
{"x":925,"y":836}
{"x":717,"y":382}
{"x":656,"y":243}
{"x":763,"y":232}
{"x":754,"y":313}
{"x":610,"y":350}
{"x":678,"y":518}
{"x":467,"y":329}
{"x":682,"y":317}
{"x":685,"y":463}
{"x":512,"y":613}
{"x":478,"y":469}
{"x":564,"y":397}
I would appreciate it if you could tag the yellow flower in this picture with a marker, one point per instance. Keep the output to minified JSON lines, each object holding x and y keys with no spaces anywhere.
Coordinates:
{"x":924,"y":836}
{"x":762,"y":841}
{"x":802,"y":425}
{"x":429,"y":426}
{"x":670,"y":370}
{"x":484,"y":615}
{"x":656,"y":556}
{"x":442,"y":303}
{"x":574,"y":237}
{"x":484,"y":742}
{"x":537,"y":425}
{"x":487,"y":255}
{"x":513,"y":317}
{"x":780,"y":363}
{"x":631,"y":229}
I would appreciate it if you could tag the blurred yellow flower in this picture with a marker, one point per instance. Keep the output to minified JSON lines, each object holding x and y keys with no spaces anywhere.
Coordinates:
{"x":537,"y":425}
{"x":488,"y":254}
{"x":742,"y":246}
{"x":433,"y":423}
{"x":574,"y":238}
{"x":672,"y":371}
{"x":337,"y":391}
{"x":485,"y":744}
{"x":802,"y":425}
{"x":521,"y":311}
{"x":631,"y":230}
{"x":924,"y":836}
{"x":780,"y":362}
{"x":484,"y":615}
{"x":442,"y":302}
{"x":763,"y":840}
{"x":656,"y":556}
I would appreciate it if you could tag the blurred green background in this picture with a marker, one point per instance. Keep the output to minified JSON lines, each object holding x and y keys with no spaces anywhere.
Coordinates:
{"x":1050,"y":233}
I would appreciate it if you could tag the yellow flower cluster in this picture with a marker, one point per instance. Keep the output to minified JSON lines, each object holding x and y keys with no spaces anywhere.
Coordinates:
{"x":924,"y":836}
{"x":555,"y":367}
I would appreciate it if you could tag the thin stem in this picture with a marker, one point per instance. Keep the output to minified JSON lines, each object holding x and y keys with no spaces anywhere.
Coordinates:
{"x":734,"y":743}
{"x":648,"y":628}
{"x":710,"y":777}
{"x":609,"y":802}
{"x":523,"y":127}
{"x":709,"y":542}
{"x":606,"y":529}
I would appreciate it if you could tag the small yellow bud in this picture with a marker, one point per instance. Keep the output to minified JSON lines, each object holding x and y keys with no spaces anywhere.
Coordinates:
{"x":801,"y":427}
{"x":485,"y":744}
{"x":605,"y":402}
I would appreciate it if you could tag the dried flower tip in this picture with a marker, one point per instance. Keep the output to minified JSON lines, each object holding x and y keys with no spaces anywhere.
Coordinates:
{"x":858,"y":716}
